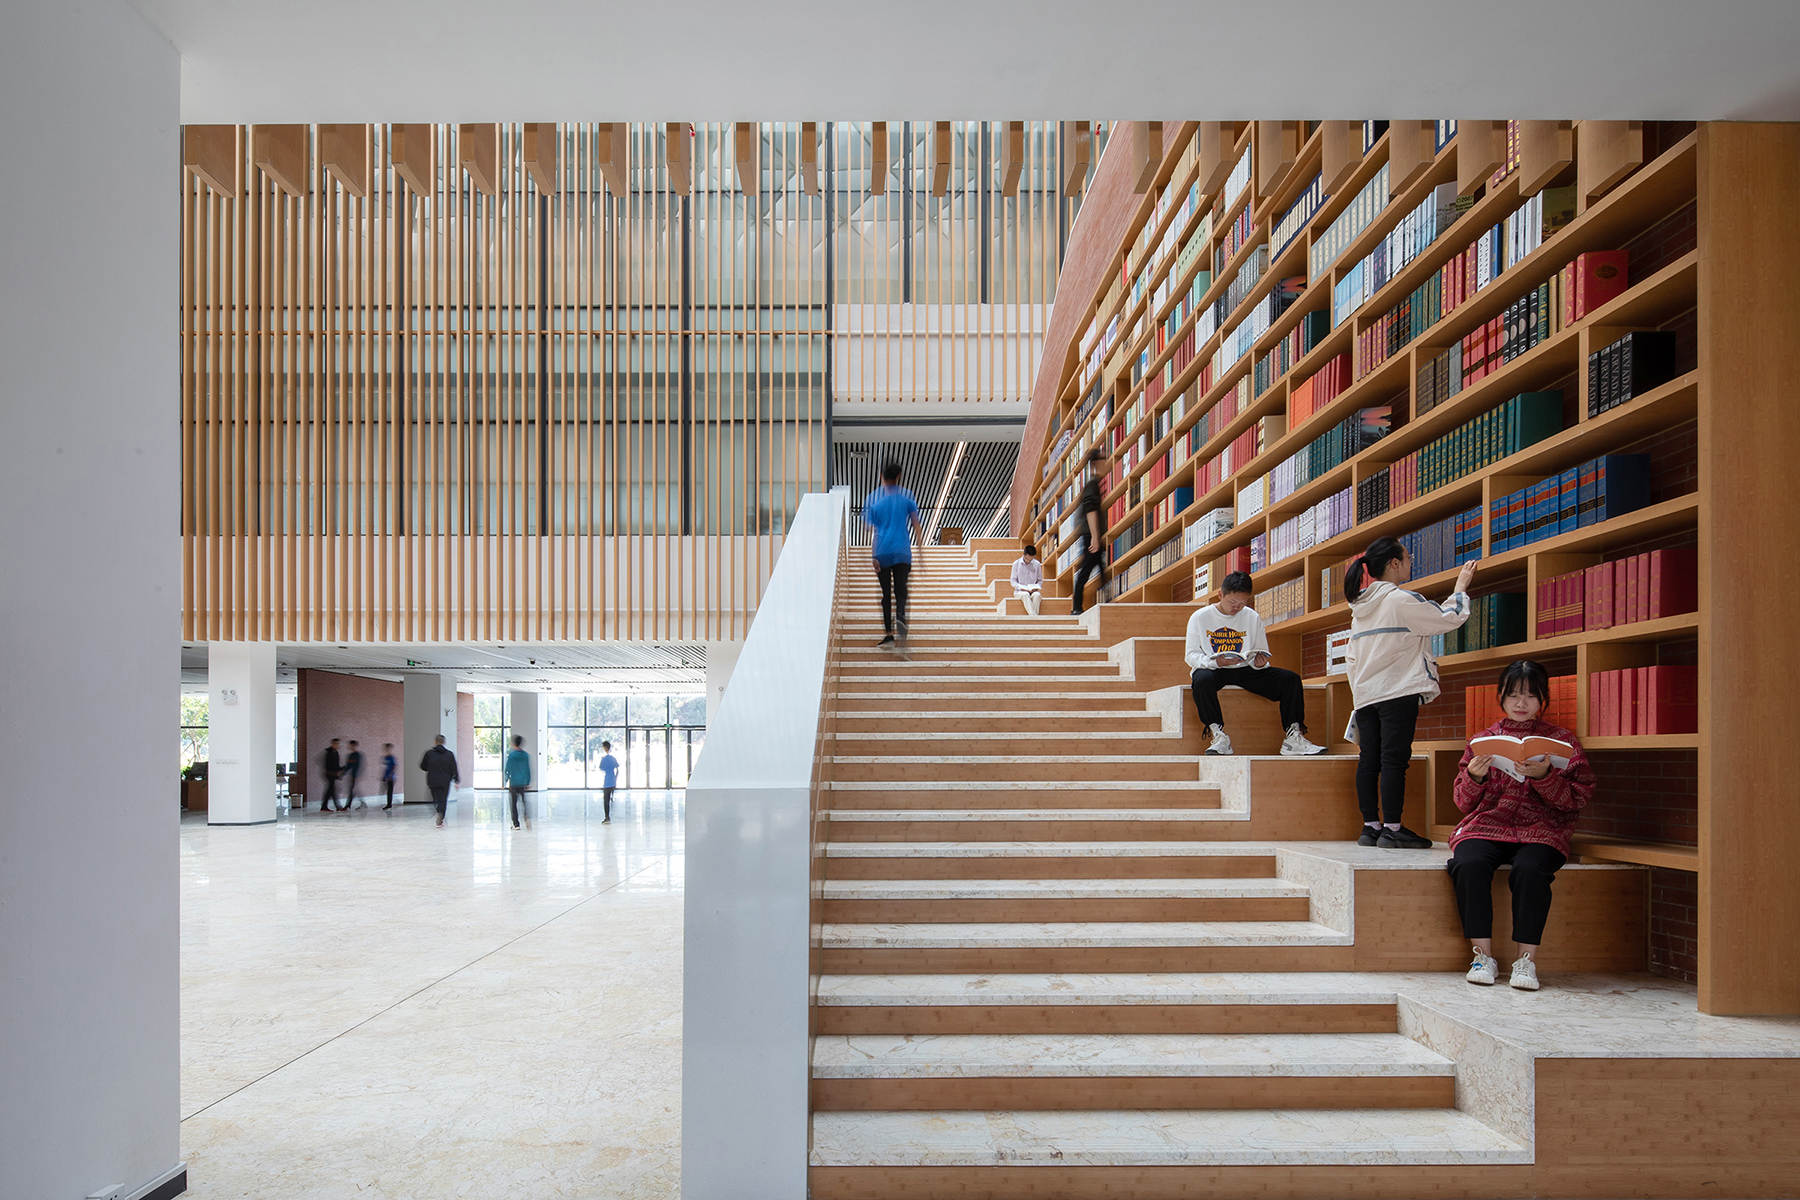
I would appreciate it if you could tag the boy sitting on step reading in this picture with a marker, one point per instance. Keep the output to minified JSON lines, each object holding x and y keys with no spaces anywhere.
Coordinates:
{"x":1226,"y":647}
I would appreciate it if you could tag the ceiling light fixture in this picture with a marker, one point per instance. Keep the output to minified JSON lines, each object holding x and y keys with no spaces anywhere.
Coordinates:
{"x":937,"y":513}
{"x":1000,"y":512}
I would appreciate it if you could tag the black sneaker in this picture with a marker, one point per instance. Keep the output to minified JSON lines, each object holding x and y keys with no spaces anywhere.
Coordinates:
{"x":1401,"y":839}
{"x":885,"y":642}
{"x":1369,"y":834}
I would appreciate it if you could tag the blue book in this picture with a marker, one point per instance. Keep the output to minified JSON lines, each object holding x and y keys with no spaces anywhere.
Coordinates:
{"x":1567,"y":507}
{"x":1621,"y":485}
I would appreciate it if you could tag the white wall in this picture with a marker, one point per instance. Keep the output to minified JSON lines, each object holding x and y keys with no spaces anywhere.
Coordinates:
{"x":429,"y":700}
{"x":748,"y":922}
{"x":721,"y":660}
{"x":89,"y":595}
{"x":240,"y":736}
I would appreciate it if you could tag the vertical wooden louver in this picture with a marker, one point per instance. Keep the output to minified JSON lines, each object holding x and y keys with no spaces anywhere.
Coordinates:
{"x":526,"y":382}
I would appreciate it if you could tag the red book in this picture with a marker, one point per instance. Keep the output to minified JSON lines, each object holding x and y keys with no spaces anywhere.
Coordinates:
{"x":1599,"y":581}
{"x":1600,"y":275}
{"x":1673,"y":700}
{"x":1640,"y":700}
{"x":1674,"y":587}
{"x":1595,"y":703}
{"x":1572,"y":590}
{"x":1610,"y":697}
{"x":1619,"y":612}
{"x":1640,"y":587}
{"x":1627,"y":702}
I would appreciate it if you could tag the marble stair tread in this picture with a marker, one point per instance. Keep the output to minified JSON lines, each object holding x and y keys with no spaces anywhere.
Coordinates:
{"x":1046,"y":849}
{"x":1056,"y":889}
{"x":1151,"y":1138}
{"x":1433,"y":858}
{"x":1074,"y":988}
{"x":853,"y":815}
{"x":1115,"y":1055}
{"x":1075,"y":762}
{"x":1019,"y":785}
{"x":902,"y":935}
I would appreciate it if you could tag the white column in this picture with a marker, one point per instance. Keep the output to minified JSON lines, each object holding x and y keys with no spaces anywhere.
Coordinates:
{"x":90,"y":598}
{"x":430,"y":703}
{"x":525,"y":719}
{"x":240,"y":735}
{"x":721,"y":660}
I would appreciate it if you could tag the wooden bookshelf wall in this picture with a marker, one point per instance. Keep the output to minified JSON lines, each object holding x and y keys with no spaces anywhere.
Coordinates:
{"x":1629,"y":178}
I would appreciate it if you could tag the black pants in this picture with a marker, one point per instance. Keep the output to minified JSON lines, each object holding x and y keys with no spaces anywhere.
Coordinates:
{"x":330,"y":793}
{"x":1087,"y":564}
{"x":1534,"y":867}
{"x":606,"y":803}
{"x":1384,"y":733}
{"x":517,"y":798}
{"x":390,"y":793}
{"x":893,"y":593}
{"x":440,"y":796}
{"x":1271,"y":683}
{"x":350,"y":793}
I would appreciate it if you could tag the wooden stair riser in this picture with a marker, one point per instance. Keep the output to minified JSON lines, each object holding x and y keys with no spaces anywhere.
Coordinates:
{"x":1025,"y":830}
{"x":1088,"y":1093}
{"x":926,"y":1020}
{"x":1053,"y":960}
{"x":1029,"y":657}
{"x":1069,"y":725}
{"x":902,"y":668}
{"x":1203,"y":866}
{"x":1105,"y":751}
{"x":1165,"y":908}
{"x":865,"y":703}
{"x":922,"y":769}
{"x":940,"y":799}
{"x":937,"y":682}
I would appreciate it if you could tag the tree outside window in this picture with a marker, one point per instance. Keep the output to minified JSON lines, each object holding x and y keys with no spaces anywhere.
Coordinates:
{"x":193,"y":729}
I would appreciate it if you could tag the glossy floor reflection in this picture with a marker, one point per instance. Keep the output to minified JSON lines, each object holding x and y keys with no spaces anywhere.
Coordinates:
{"x":372,"y":1006}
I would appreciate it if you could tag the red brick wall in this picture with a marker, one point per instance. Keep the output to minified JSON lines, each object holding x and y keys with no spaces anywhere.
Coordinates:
{"x":1674,"y":924}
{"x":347,"y":706}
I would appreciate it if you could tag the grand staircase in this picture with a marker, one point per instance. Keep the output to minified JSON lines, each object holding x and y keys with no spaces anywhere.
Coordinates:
{"x":1062,"y":954}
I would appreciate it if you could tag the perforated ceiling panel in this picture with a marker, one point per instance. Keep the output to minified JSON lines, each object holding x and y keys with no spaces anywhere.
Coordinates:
{"x":983,"y":480}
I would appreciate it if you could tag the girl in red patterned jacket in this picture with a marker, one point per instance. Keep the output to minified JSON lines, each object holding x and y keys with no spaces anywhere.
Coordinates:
{"x":1525,"y":822}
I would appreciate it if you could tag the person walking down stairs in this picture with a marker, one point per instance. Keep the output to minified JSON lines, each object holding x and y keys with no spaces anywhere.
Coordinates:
{"x":1228,"y":647}
{"x":893,"y":514}
{"x":1392,"y":673}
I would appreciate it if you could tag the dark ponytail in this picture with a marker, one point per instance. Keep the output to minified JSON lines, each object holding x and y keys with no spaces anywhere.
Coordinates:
{"x":1370,"y":565}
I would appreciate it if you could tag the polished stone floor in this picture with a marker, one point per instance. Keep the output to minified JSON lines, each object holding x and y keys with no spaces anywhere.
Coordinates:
{"x":375,"y":1007}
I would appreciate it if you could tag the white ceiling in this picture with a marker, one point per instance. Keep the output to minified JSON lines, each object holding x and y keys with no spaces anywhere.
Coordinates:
{"x":586,"y":60}
{"x":490,"y":667}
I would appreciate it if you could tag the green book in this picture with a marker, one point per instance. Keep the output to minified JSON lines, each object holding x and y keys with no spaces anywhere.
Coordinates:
{"x":1540,"y":416}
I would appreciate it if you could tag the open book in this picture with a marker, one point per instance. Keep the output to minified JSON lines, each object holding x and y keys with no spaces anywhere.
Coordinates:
{"x":1508,"y":752}
{"x":1227,"y":658}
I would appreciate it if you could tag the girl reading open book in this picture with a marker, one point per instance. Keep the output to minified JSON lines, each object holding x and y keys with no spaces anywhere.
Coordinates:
{"x":1521,"y":787}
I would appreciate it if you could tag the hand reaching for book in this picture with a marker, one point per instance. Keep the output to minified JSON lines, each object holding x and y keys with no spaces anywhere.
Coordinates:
{"x":1466,"y":576}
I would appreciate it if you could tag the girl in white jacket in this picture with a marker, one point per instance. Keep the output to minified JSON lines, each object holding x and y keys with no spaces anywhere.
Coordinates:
{"x":1392,"y":673}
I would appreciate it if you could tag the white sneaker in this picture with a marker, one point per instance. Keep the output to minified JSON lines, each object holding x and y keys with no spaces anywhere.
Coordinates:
{"x":1484,"y":970}
{"x":1524,"y":975}
{"x":1220,"y":743}
{"x":1295,"y":744}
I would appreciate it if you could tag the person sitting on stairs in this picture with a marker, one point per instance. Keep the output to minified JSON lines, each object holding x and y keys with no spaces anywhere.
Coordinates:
{"x":1227,"y":647}
{"x":1028,"y":580}
{"x":1525,"y":822}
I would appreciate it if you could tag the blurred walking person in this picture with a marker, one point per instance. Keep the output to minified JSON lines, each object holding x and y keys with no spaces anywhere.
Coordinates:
{"x":1088,"y":529}
{"x":390,"y":769}
{"x":609,"y":776}
{"x":353,"y":771}
{"x":332,"y":764}
{"x":893,"y":513}
{"x":518,"y":777}
{"x":439,"y":765}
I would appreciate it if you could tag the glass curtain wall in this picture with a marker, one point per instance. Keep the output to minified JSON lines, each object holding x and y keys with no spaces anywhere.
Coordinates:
{"x":655,"y":738}
{"x":193,"y":728}
{"x":492,"y":715}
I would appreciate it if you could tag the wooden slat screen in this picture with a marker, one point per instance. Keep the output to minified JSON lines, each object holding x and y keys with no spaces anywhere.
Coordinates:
{"x":565,"y":413}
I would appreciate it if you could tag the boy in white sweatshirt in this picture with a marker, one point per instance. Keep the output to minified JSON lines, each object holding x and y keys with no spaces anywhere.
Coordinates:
{"x":1226,"y":647}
